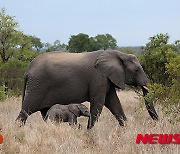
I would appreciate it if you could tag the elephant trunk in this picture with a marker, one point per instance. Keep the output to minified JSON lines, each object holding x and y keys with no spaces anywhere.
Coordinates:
{"x":149,"y":105}
{"x":89,"y":114}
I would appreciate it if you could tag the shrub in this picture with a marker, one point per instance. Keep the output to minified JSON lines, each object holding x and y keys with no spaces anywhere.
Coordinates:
{"x":162,"y":64}
{"x":2,"y":93}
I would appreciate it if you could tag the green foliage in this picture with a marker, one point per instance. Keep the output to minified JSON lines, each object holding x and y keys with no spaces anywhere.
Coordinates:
{"x":56,"y":46}
{"x":126,"y":50}
{"x":16,"y":51}
{"x":177,"y":45}
{"x":136,"y":50}
{"x":161,"y":62}
{"x":173,"y":67}
{"x":82,"y":42}
{"x":12,"y":74}
{"x":36,"y":43}
{"x":157,"y":41}
{"x":168,"y":97}
{"x":105,"y":41}
{"x":155,"y":57}
{"x":2,"y":93}
{"x":9,"y":36}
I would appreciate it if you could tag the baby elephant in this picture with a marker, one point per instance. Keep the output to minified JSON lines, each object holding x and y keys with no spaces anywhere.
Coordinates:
{"x":67,"y":113}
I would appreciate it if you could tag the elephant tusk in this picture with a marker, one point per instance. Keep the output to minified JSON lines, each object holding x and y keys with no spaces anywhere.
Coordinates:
{"x":145,"y":87}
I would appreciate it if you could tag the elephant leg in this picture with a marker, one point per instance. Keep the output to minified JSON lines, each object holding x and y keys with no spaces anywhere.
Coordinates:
{"x":113,"y":104}
{"x":95,"y":110}
{"x":97,"y":90}
{"x":30,"y":105}
{"x":22,"y":117}
{"x":72,"y":120}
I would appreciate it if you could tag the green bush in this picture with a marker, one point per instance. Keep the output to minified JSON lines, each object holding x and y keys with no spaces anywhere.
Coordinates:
{"x":2,"y":93}
{"x":12,"y":75}
{"x":162,"y":64}
{"x":16,"y":52}
{"x":154,"y":62}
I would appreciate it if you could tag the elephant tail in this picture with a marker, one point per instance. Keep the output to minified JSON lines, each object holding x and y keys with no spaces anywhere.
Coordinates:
{"x":24,"y":88}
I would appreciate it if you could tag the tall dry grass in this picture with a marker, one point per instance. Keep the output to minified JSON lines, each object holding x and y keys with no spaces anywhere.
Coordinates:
{"x":105,"y":138}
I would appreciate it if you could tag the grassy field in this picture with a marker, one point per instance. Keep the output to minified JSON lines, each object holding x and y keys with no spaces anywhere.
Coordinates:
{"x":105,"y":138}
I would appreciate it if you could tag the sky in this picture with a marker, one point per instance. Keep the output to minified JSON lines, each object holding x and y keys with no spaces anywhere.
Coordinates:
{"x":130,"y":22}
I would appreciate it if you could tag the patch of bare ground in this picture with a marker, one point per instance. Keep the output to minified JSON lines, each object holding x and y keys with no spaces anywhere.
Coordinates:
{"x":105,"y":138}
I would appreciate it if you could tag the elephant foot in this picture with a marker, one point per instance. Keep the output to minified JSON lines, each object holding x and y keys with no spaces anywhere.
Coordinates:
{"x":22,"y":117}
{"x":89,"y":126}
{"x":124,"y":118}
{"x":122,"y":121}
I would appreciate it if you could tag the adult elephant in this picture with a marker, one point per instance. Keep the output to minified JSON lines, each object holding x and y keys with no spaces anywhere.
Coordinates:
{"x":65,"y":78}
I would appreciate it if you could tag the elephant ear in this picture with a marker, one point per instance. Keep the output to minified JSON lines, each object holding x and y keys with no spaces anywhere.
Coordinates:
{"x":110,"y":65}
{"x":73,"y":108}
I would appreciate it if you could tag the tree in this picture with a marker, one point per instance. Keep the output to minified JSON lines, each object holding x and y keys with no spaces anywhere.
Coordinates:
{"x":157,"y":41}
{"x":12,"y":74}
{"x":36,"y":43}
{"x":161,"y":62}
{"x":56,"y":46}
{"x":80,"y":43}
{"x":177,"y":45}
{"x":106,"y":41}
{"x":15,"y":54}
{"x":8,"y":36}
{"x":157,"y":53}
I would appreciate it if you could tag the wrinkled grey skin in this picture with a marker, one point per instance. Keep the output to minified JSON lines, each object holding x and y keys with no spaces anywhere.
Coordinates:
{"x":65,"y":78}
{"x":67,"y":113}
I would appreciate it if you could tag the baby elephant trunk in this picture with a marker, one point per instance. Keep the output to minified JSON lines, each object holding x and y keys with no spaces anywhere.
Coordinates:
{"x":86,"y":113}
